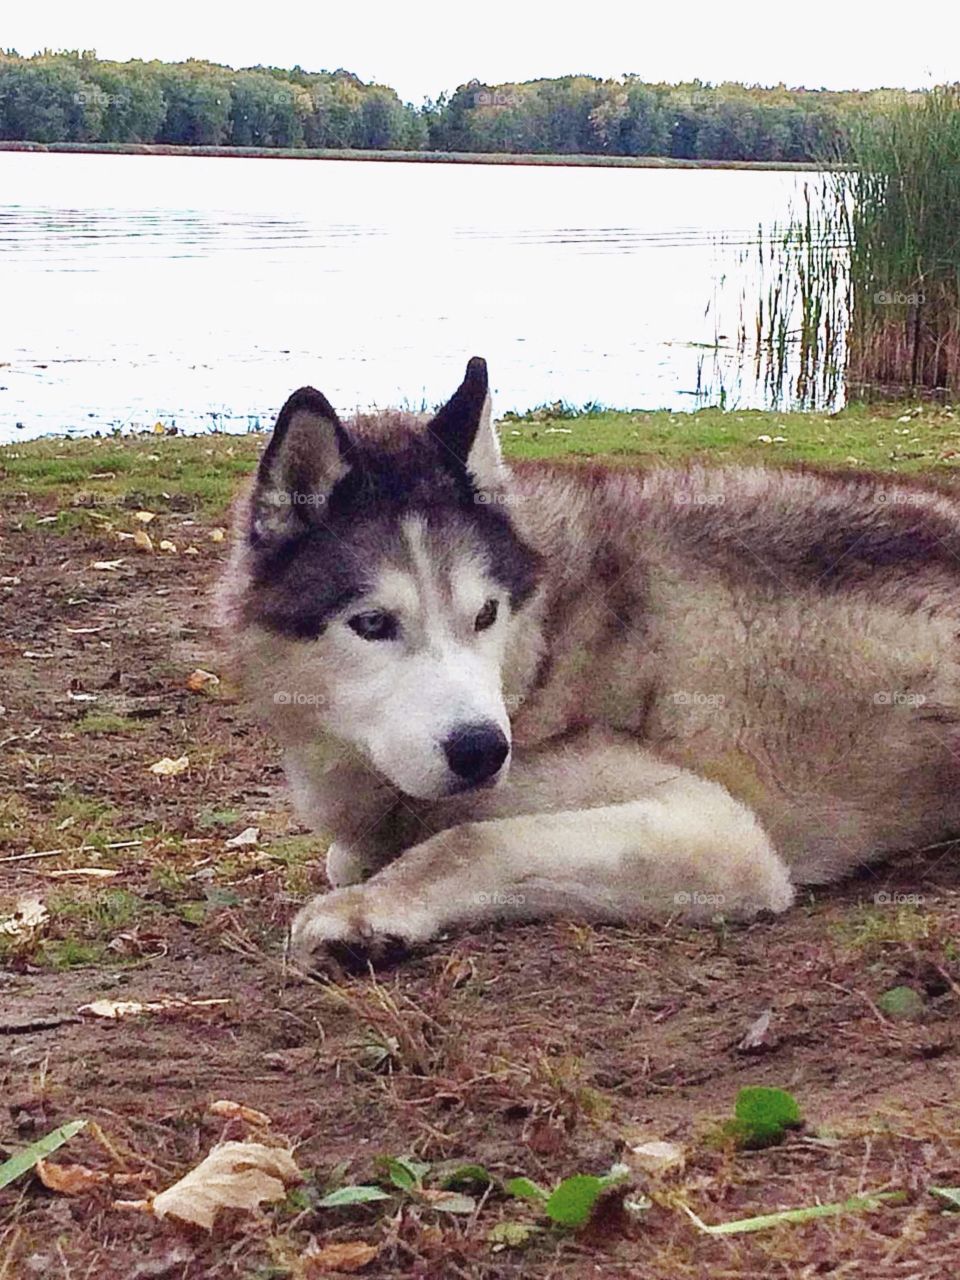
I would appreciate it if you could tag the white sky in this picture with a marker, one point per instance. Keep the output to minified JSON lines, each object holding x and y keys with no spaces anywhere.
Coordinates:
{"x":424,"y":46}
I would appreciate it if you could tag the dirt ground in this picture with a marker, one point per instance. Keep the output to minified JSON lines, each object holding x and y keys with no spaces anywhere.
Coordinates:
{"x":546,"y":1050}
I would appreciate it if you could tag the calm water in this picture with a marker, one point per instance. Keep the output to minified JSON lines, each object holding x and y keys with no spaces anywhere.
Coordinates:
{"x":199,"y":292}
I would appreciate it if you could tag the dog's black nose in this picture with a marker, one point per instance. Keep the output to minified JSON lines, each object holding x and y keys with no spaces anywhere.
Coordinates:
{"x":476,"y":751}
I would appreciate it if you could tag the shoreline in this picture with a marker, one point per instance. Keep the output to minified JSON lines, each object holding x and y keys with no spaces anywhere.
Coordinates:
{"x":410,"y":157}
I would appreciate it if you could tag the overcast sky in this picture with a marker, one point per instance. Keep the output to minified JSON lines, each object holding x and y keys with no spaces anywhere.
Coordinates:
{"x":425,"y":46}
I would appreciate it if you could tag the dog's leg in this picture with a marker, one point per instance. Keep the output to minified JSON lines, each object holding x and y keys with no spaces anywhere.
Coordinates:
{"x":689,"y":850}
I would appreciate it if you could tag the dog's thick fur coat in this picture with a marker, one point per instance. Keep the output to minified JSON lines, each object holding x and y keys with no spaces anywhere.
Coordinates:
{"x":714,"y":683}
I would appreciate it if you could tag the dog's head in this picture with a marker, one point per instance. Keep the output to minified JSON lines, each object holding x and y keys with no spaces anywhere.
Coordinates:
{"x":385,"y":573}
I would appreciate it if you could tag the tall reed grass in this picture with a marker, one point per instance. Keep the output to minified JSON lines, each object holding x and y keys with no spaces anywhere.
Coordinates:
{"x":859,"y":291}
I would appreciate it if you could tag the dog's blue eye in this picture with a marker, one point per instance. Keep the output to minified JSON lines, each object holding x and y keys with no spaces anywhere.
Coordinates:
{"x":487,"y":616}
{"x":375,"y":625}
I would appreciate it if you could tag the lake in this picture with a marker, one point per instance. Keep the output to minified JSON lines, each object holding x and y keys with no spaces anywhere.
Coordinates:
{"x":199,"y":292}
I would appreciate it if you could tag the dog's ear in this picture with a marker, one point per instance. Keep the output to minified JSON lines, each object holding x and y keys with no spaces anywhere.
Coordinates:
{"x":464,"y":427}
{"x":308,"y":453}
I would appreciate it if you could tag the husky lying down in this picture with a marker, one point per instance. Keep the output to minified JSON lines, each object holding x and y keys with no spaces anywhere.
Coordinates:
{"x":553,"y":689}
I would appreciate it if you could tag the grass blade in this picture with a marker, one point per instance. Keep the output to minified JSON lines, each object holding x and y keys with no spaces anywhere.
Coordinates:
{"x":856,"y":1204}
{"x":39,"y":1150}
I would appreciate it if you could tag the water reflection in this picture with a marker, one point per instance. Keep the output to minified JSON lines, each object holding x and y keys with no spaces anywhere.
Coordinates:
{"x":198,"y":291}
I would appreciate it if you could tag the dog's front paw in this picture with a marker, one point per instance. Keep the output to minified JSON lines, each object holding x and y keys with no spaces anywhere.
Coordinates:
{"x":338,"y":932}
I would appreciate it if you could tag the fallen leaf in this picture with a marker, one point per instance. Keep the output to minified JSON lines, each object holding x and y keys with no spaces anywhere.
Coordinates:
{"x":245,"y":840}
{"x":142,"y":540}
{"x":116,"y":1009}
{"x":78,"y":1179}
{"x":70,"y":1179}
{"x":655,"y":1157}
{"x":511,"y":1235}
{"x":29,"y":915}
{"x":108,"y":566}
{"x":145,"y":516}
{"x":237,"y":1111}
{"x":217,"y":535}
{"x":351,"y":1255}
{"x":82,"y":873}
{"x":167,"y":545}
{"x":190,"y":551}
{"x":167,"y":768}
{"x":235,"y":1175}
{"x":201,"y":681}
{"x":757,"y":1037}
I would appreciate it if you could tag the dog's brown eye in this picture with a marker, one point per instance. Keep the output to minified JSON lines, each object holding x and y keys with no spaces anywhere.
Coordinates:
{"x":487,"y":616}
{"x":376,"y":624}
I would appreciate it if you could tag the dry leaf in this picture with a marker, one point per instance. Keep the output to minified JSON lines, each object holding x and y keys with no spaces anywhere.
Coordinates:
{"x":758,"y":1036}
{"x":201,"y":681}
{"x":115,"y":1009}
{"x":145,"y":516}
{"x":167,"y":545}
{"x":69,"y":1179}
{"x":77,"y":1179}
{"x":655,"y":1157}
{"x":247,"y":838}
{"x":167,"y":768}
{"x":109,"y":566}
{"x":236,"y":1175}
{"x":190,"y":551}
{"x":29,"y":914}
{"x":217,"y":535}
{"x":350,"y":1255}
{"x":81,"y":873}
{"x":237,"y":1111}
{"x":142,"y":540}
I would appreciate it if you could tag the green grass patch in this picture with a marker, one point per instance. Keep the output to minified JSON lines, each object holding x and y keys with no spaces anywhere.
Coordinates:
{"x":101,"y":723}
{"x":100,"y":914}
{"x":874,"y":930}
{"x":200,"y":474}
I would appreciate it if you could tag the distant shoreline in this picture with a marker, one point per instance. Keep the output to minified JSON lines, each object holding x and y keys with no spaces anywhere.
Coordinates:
{"x":411,"y":157}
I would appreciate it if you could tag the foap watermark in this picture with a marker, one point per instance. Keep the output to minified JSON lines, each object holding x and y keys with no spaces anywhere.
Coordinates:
{"x":294,"y":698}
{"x":495,"y":98}
{"x":897,"y":298}
{"x":899,"y":498}
{"x":98,"y":98}
{"x":497,"y":498}
{"x":499,"y":898}
{"x":700,"y":499}
{"x":887,"y":898}
{"x":698,"y":899}
{"x":898,"y":698}
{"x":296,"y":498}
{"x":697,"y":698}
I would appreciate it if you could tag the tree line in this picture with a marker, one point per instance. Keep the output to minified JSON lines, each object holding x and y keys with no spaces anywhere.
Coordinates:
{"x":76,"y":97}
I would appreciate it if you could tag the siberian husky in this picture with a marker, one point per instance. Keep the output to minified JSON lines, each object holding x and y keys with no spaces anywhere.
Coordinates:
{"x":595,"y":691}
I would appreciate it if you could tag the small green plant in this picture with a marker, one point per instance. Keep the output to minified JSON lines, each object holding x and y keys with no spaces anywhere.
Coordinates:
{"x":404,"y":1176}
{"x":453,"y":1189}
{"x":761,"y":1118}
{"x":572,"y":1201}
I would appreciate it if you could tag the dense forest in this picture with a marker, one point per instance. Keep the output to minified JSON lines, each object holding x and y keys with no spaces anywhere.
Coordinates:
{"x":76,"y":97}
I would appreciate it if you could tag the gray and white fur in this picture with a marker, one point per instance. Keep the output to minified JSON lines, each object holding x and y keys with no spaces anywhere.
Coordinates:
{"x":593,"y":691}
